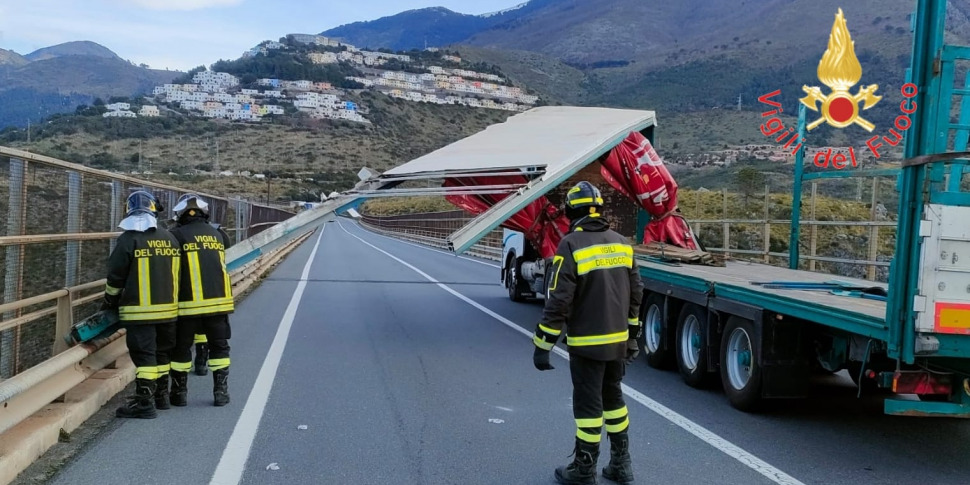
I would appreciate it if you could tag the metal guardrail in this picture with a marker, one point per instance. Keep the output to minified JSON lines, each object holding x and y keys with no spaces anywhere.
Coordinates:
{"x":432,"y":229}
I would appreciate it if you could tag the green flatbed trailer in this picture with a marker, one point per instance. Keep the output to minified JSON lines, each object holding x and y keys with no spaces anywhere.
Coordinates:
{"x":766,"y":342}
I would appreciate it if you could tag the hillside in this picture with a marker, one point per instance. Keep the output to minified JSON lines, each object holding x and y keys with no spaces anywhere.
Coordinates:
{"x":328,"y":152}
{"x":11,"y":58}
{"x":57,"y":79}
{"x":695,"y":54}
{"x":77,"y":48}
{"x":409,"y":30}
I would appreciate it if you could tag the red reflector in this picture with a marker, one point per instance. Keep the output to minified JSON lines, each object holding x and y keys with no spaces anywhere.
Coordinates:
{"x":921,"y":382}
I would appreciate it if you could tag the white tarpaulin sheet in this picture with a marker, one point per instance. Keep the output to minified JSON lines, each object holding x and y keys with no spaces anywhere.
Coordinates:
{"x":551,"y":138}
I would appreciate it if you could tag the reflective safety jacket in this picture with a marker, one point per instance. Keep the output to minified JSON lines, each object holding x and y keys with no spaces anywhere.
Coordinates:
{"x":205,"y":288}
{"x":594,"y":293}
{"x":144,"y":269}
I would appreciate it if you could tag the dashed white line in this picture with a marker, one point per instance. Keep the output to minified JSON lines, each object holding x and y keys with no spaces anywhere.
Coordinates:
{"x":233,"y":461}
{"x":704,"y":434}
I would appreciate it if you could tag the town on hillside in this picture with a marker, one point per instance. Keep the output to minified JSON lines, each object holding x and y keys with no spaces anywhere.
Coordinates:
{"x":222,"y":95}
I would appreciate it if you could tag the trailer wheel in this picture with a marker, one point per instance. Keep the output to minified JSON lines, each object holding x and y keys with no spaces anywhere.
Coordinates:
{"x":516,"y":286}
{"x":656,"y":333}
{"x":691,"y":345}
{"x":740,"y":367}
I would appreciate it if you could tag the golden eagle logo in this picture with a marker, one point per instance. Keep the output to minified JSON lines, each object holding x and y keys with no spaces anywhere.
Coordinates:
{"x":839,"y":69}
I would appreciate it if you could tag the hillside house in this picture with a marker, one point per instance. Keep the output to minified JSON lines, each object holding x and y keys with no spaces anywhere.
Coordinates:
{"x":149,"y":111}
{"x":323,"y":57}
{"x":250,"y":92}
{"x":120,"y":114}
{"x":269,"y":82}
{"x":437,"y":70}
{"x":273,"y":94}
{"x":454,"y":59}
{"x":118,"y":106}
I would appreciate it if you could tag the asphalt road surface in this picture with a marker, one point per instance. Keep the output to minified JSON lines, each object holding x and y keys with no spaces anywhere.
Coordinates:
{"x":366,"y":360}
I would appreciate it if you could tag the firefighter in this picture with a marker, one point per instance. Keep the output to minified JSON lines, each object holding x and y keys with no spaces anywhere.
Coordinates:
{"x":143,"y":279}
{"x":594,"y":295}
{"x":201,"y":342}
{"x":205,"y":299}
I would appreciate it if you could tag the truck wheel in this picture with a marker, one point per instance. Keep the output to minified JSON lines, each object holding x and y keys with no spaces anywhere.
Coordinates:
{"x":655,"y":333}
{"x":692,"y":345}
{"x":517,"y":287}
{"x":740,"y":368}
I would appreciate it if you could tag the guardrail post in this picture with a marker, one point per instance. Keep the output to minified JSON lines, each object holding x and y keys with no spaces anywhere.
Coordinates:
{"x":727,"y":226}
{"x":72,"y":249}
{"x":65,"y":318}
{"x":117,"y":194}
{"x":813,"y":243}
{"x":767,"y":225}
{"x":13,"y":272}
{"x":873,"y":231}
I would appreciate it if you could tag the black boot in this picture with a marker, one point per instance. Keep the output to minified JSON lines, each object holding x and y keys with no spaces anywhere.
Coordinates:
{"x":620,"y":469}
{"x":220,"y":386}
{"x":161,"y":393}
{"x":180,"y":388}
{"x":141,"y":405}
{"x":201,"y":359}
{"x":582,"y":470}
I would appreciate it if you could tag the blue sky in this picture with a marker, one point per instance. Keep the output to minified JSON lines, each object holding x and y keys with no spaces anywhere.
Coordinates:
{"x":181,"y":34}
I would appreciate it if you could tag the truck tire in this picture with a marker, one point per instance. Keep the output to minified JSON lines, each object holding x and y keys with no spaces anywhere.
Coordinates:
{"x":655,"y":342}
{"x":740,"y":364}
{"x":518,"y":288}
{"x":691,"y":345}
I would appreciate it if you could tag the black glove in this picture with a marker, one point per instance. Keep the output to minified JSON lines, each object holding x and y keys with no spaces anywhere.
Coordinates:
{"x":632,"y":351}
{"x":540,"y":358}
{"x":110,"y":302}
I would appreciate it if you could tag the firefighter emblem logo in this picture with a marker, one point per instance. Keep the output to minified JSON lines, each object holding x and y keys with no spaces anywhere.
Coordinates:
{"x":840,"y":70}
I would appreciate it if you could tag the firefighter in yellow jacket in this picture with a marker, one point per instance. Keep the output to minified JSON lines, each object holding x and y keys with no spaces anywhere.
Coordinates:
{"x":594,"y":295}
{"x":143,"y":279}
{"x":205,"y":298}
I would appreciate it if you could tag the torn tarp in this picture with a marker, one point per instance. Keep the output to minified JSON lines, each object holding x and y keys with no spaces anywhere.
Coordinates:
{"x":636,"y":170}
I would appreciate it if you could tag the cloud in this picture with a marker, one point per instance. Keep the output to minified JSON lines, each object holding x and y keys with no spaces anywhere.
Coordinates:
{"x":184,"y":4}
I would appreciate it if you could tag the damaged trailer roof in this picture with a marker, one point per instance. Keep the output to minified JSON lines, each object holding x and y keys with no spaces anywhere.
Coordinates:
{"x":555,"y":142}
{"x":547,"y":137}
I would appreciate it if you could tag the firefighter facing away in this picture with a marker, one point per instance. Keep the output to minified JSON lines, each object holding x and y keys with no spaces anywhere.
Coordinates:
{"x":594,"y":295}
{"x":143,"y":279}
{"x":205,"y":299}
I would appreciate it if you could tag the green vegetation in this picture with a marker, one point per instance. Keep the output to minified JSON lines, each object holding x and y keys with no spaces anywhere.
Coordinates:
{"x":395,"y":206}
{"x":286,"y":64}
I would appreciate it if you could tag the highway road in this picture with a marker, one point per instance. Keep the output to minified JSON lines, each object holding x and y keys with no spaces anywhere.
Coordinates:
{"x":367,"y":360}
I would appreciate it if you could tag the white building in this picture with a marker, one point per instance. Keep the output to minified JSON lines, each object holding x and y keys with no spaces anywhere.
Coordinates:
{"x":118,"y":106}
{"x":120,"y":114}
{"x":149,"y":110}
{"x":323,"y":58}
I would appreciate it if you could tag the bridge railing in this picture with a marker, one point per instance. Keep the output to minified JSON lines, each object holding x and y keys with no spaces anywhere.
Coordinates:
{"x":60,"y":227}
{"x":432,"y":229}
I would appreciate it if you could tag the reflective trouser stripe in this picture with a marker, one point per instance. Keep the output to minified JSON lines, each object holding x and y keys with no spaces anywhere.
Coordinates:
{"x":181,"y":366}
{"x":589,"y":429}
{"x":163,"y":369}
{"x":150,"y":373}
{"x":200,"y":338}
{"x":219,"y":364}
{"x":616,"y":428}
{"x":617,"y":420}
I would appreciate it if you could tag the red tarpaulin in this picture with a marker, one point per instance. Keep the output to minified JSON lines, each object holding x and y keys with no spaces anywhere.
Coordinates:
{"x":636,"y":170}
{"x":540,"y":221}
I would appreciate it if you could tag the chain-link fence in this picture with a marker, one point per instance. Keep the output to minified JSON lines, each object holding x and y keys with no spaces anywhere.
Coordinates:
{"x":60,"y":226}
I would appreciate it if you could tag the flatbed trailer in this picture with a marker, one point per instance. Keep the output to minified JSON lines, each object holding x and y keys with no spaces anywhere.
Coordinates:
{"x":765,"y":341}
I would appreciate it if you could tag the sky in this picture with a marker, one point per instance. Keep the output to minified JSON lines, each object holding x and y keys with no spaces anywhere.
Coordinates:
{"x":182,"y":34}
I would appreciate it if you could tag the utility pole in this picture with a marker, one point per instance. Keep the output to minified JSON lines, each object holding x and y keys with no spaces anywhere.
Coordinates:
{"x":28,"y":130}
{"x":217,"y":169}
{"x":739,"y":102}
{"x":141,"y":167}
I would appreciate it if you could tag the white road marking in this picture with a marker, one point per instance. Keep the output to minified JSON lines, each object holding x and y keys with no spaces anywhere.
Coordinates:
{"x":704,"y":434}
{"x":439,"y":251}
{"x":233,"y":461}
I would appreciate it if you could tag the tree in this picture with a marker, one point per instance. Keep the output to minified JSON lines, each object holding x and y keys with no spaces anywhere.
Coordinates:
{"x":749,"y":181}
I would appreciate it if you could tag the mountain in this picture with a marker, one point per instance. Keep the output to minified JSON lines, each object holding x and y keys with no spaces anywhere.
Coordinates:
{"x":77,"y":48}
{"x":11,"y":58}
{"x":686,"y":55}
{"x":432,"y":27}
{"x":62,"y":80}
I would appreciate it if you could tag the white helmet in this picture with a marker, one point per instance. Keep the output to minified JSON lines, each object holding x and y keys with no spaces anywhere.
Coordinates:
{"x":191,"y":204}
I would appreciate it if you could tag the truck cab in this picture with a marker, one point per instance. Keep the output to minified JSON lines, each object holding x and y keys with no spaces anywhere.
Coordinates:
{"x":523,"y":271}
